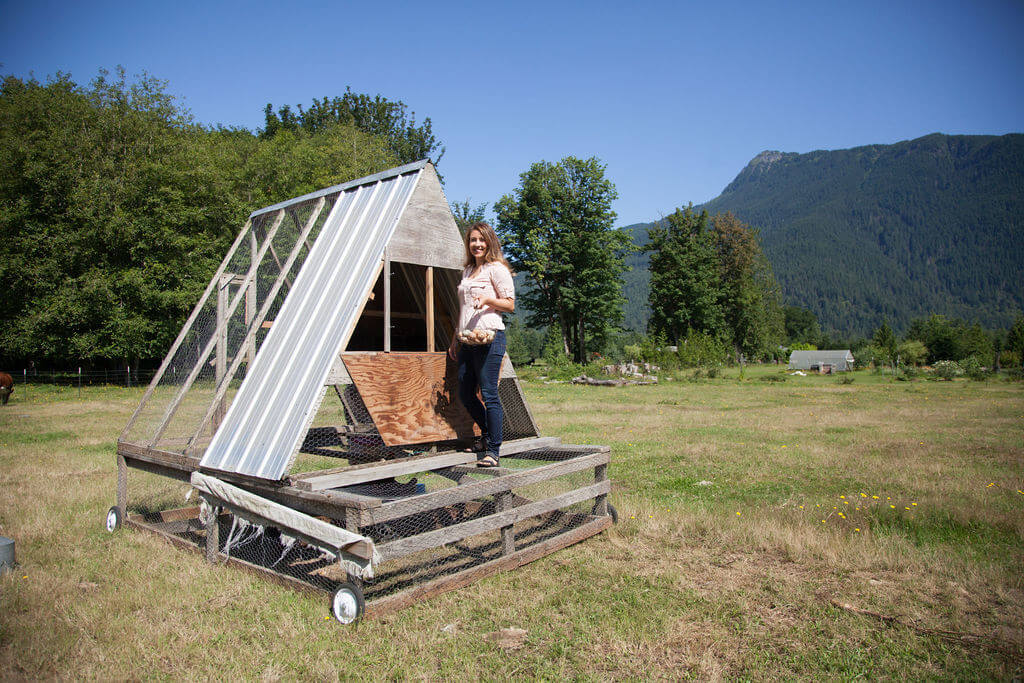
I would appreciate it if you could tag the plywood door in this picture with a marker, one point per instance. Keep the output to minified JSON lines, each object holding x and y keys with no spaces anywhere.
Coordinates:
{"x":412,"y":397}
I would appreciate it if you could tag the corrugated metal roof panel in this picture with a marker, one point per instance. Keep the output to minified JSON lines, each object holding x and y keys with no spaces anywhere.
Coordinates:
{"x":274,"y":404}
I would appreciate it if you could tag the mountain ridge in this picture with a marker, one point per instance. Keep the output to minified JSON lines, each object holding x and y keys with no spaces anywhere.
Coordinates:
{"x":894,"y":232}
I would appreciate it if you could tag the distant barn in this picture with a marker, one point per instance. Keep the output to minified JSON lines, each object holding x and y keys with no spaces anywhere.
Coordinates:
{"x":825,"y":362}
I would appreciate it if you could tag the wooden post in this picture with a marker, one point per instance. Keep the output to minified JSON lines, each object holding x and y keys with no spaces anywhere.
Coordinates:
{"x":122,"y":484}
{"x":250,"y":299}
{"x":430,"y":309}
{"x":387,"y":301}
{"x":352,"y":519}
{"x":601,"y":501}
{"x":508,"y":535}
{"x":221,"y":361}
{"x":213,"y":534}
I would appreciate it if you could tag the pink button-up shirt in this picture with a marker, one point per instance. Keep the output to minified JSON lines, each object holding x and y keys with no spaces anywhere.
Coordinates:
{"x":492,"y":280}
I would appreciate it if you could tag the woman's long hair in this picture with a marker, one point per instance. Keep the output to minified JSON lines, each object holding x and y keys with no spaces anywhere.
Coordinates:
{"x":493,"y":245}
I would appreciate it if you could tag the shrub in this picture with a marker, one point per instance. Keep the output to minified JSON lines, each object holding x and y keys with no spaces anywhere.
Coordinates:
{"x":702,"y":350}
{"x":912,"y":352}
{"x":773,"y":378}
{"x":947,"y":370}
{"x":973,"y":368}
{"x":845,"y":379}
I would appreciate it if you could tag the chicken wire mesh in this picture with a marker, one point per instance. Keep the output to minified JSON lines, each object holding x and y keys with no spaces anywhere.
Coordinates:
{"x":230,"y":325}
{"x":428,"y":541}
{"x":343,"y":431}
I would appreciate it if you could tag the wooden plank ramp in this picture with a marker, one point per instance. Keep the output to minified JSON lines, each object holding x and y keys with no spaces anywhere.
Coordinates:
{"x":386,"y":469}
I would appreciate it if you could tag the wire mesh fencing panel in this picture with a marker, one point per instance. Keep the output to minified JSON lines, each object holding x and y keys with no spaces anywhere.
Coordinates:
{"x":430,"y":538}
{"x":229,"y":325}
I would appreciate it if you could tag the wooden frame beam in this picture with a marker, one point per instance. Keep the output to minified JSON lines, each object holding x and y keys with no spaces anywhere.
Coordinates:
{"x":457,"y":532}
{"x":478,"y":489}
{"x":429,"y":296}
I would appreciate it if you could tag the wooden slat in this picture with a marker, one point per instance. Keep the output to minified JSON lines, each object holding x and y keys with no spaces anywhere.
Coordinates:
{"x":157,"y":456}
{"x":457,"y":532}
{"x":429,"y":296}
{"x":392,"y":603}
{"x":387,"y":301}
{"x":412,"y":397}
{"x":478,"y":489}
{"x":358,"y":474}
{"x":395,"y":315}
{"x":522,"y":445}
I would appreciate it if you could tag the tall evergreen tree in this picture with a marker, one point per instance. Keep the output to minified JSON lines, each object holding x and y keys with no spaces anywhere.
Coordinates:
{"x":557,"y":227}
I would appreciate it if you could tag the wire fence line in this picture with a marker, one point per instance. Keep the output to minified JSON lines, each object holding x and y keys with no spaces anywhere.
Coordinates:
{"x":79,"y":377}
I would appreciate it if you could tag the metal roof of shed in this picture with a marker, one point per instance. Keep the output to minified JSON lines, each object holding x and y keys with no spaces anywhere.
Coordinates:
{"x":274,"y":404}
{"x":804,"y":359}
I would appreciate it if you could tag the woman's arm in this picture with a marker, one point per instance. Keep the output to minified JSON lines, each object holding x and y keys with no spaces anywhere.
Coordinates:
{"x":504,"y":299}
{"x":503,"y":305}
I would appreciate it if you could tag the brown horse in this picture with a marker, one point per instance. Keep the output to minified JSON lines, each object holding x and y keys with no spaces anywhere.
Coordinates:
{"x":6,"y":387}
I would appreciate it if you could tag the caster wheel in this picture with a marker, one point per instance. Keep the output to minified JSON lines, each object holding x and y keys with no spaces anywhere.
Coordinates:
{"x":347,"y":604}
{"x":114,"y":519}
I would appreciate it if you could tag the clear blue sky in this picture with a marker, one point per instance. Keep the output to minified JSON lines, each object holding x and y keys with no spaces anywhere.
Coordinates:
{"x":675,"y":97}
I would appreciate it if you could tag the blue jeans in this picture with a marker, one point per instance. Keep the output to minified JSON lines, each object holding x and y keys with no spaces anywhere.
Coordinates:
{"x":479,"y":366}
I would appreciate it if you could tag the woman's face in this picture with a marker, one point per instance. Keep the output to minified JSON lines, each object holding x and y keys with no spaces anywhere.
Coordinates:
{"x":477,"y":245}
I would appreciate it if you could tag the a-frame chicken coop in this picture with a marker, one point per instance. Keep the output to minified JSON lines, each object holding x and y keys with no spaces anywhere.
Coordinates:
{"x":309,"y":401}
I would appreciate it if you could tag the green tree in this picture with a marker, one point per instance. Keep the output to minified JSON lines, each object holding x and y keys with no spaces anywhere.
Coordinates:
{"x":112,"y":217}
{"x":1015,"y":338}
{"x":389,"y":120}
{"x":466,"y":215}
{"x":939,"y":335}
{"x":686,"y":288}
{"x":115,"y":209}
{"x":801,"y":325}
{"x":886,"y":345}
{"x":750,"y":295}
{"x":557,"y":227}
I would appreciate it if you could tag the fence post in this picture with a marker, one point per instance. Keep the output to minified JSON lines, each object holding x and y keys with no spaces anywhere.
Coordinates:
{"x":79,"y":381}
{"x":24,"y":380}
{"x":129,"y":369}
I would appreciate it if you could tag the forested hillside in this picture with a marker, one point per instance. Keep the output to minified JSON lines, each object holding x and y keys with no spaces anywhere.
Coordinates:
{"x":932,"y":225}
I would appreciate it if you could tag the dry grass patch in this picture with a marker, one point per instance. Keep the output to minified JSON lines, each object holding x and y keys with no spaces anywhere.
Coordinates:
{"x":684,"y":587}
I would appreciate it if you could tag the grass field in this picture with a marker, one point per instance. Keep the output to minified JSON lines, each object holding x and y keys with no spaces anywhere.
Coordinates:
{"x":800,"y":529}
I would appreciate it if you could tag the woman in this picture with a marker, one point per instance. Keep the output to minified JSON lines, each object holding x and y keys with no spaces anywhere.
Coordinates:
{"x":485,"y":292}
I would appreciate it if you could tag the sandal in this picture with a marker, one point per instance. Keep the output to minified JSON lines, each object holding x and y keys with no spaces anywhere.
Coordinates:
{"x":487,"y":461}
{"x":478,"y":445}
